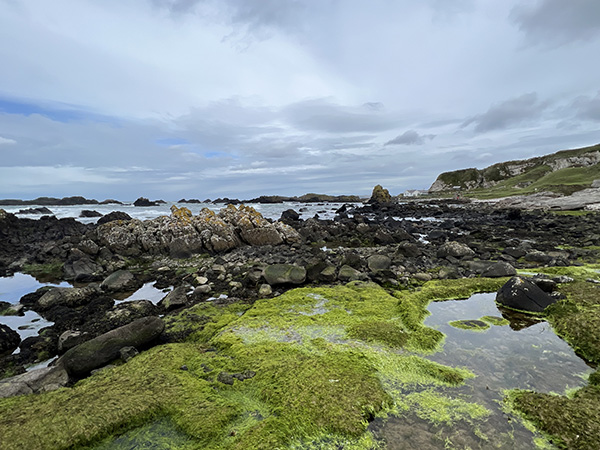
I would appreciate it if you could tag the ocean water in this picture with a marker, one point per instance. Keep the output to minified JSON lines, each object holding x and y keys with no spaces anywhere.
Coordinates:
{"x":270,"y":211}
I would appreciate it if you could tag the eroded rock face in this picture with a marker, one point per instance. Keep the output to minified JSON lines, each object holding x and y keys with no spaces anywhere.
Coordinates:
{"x":183,"y":234}
{"x":99,"y":351}
{"x":522,"y":294}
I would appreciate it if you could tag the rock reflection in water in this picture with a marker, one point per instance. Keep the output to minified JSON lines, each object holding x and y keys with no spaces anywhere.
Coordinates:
{"x":525,"y":355}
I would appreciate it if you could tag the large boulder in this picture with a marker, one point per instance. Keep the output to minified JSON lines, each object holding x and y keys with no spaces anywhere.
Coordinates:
{"x":521,"y":294}
{"x":70,"y":297}
{"x":454,"y":249}
{"x":499,"y":269}
{"x":9,"y":340}
{"x":284,"y":274}
{"x":112,"y":216}
{"x":121,"y":281}
{"x":175,"y":299}
{"x":80,"y":267}
{"x":378,"y":262}
{"x":41,"y":380}
{"x":97,"y":352}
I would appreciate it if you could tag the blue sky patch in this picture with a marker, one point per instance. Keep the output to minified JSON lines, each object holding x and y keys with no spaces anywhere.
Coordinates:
{"x":61,"y":113}
{"x":167,"y":142}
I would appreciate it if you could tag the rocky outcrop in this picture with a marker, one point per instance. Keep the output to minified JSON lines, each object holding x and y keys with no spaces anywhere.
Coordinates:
{"x":9,"y":340}
{"x":380,"y":195}
{"x":183,"y":234}
{"x":41,"y":380}
{"x":69,"y":297}
{"x":97,"y":352}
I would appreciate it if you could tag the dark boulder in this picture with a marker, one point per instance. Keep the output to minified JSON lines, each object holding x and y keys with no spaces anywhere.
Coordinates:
{"x":89,"y":213}
{"x":39,"y":210}
{"x":284,"y":274}
{"x":175,"y":299}
{"x":289,"y":215}
{"x":9,"y":340}
{"x":121,"y":281}
{"x":80,"y":267}
{"x":521,"y":294}
{"x":143,"y":201}
{"x":112,"y":216}
{"x":97,"y":352}
{"x":499,"y":269}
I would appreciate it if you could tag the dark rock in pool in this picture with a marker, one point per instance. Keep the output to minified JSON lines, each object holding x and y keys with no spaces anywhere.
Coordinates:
{"x":97,"y":352}
{"x":89,"y":213}
{"x":121,"y":281}
{"x":522,"y":294}
{"x":143,"y":201}
{"x":112,"y":216}
{"x":9,"y":340}
{"x":40,"y":210}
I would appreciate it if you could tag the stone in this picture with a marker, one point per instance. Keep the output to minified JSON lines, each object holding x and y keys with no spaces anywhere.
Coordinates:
{"x":225,"y":378}
{"x":175,"y":299}
{"x":537,"y":256}
{"x":422,"y":276}
{"x":36,"y":381}
{"x":9,"y":340}
{"x":378,"y":262}
{"x":408,"y":250}
{"x":521,"y":294}
{"x":454,"y":249}
{"x":380,"y":195}
{"x":89,"y":213}
{"x":202,"y":290}
{"x":265,"y":290}
{"x":121,"y":281}
{"x":113,"y":216}
{"x":70,"y":339}
{"x":328,"y":274}
{"x":70,"y":297}
{"x":515,"y":252}
{"x":80,"y":267}
{"x":284,"y":274}
{"x":97,"y":352}
{"x":499,"y":269}
{"x":348,"y":273}
{"x":128,"y":353}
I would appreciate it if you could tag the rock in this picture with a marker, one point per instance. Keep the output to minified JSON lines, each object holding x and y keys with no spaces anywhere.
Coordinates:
{"x":101,"y":350}
{"x":499,"y":269}
{"x":121,"y":281}
{"x":128,"y":353}
{"x":175,"y":299}
{"x":514,"y":252}
{"x":408,"y":250}
{"x":521,"y":294}
{"x":36,"y":381}
{"x":454,"y":249}
{"x":289,"y":215}
{"x":380,"y":195}
{"x":202,"y":290}
{"x":265,"y":291}
{"x":80,"y":267}
{"x":126,"y":312}
{"x":143,"y":201}
{"x":225,"y":378}
{"x":348,"y":273}
{"x":245,"y":375}
{"x":39,"y":210}
{"x":9,"y":340}
{"x":70,"y":339}
{"x":328,"y":274}
{"x":545,"y":284}
{"x":537,"y":256}
{"x":89,"y":247}
{"x":422,"y":276}
{"x":112,"y":216}
{"x":284,"y":274}
{"x":70,"y":297}
{"x":378,"y":262}
{"x":89,"y":213}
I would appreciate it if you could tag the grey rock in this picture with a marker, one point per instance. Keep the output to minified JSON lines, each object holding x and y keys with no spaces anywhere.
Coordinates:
{"x":99,"y":351}
{"x":499,"y":269}
{"x":225,"y":378}
{"x":408,"y":250}
{"x":284,"y":274}
{"x":41,"y":380}
{"x":128,"y":353}
{"x":70,"y":339}
{"x":454,"y":249}
{"x":121,"y":281}
{"x":202,"y":290}
{"x":348,"y":273}
{"x":177,"y":298}
{"x":70,"y":297}
{"x":265,"y":290}
{"x":378,"y":262}
{"x":537,"y":256}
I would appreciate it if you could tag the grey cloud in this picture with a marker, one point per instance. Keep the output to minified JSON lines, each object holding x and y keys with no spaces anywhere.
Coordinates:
{"x":588,"y":108}
{"x":558,"y":22}
{"x":410,"y":137}
{"x":323,"y":115}
{"x":509,"y":113}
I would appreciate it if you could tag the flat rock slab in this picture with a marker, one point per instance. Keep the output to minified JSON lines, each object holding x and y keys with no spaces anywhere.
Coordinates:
{"x":101,"y":350}
{"x":40,"y":380}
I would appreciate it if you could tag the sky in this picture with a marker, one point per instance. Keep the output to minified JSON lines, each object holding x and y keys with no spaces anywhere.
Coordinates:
{"x":202,"y":99}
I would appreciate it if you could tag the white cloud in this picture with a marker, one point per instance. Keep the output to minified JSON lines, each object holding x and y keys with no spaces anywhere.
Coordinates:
{"x":6,"y":141}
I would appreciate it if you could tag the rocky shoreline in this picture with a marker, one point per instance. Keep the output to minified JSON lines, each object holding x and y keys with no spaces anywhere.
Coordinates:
{"x":237,"y":256}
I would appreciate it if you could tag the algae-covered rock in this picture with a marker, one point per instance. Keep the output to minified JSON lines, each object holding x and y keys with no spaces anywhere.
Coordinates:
{"x":454,"y":249}
{"x":470,"y":324}
{"x":521,"y":294}
{"x":380,"y":195}
{"x":284,"y":274}
{"x":177,"y":298}
{"x":348,"y":273}
{"x":99,"y":351}
{"x":70,"y":297}
{"x":378,"y":262}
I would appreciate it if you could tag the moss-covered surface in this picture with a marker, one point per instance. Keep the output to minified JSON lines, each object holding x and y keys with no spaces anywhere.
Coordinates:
{"x":323,"y":362}
{"x":470,"y":324}
{"x":48,"y":272}
{"x":494,"y":320}
{"x":573,"y":421}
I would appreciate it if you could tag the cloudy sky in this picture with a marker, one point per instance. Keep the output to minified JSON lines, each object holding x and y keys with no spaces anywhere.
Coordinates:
{"x":211,"y":98}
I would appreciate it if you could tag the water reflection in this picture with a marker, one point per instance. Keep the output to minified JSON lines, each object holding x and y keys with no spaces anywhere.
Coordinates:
{"x":525,"y":355}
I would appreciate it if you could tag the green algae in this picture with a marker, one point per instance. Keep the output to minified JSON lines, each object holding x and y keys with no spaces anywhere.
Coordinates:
{"x":326,"y":361}
{"x":470,"y":324}
{"x":496,"y":321}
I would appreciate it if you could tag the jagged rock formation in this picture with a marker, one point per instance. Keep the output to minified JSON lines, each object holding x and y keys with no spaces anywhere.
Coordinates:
{"x":528,"y":170}
{"x":380,"y":195}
